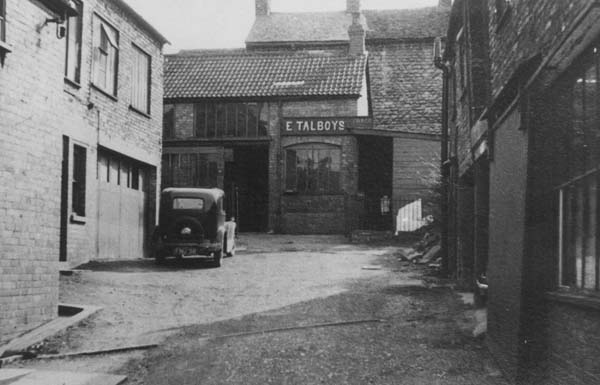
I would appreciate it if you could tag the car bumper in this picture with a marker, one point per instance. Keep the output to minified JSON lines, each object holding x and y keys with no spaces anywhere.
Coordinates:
{"x":191,"y":247}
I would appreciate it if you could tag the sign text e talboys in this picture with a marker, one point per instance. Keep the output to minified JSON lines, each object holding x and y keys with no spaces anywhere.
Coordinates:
{"x":314,"y":126}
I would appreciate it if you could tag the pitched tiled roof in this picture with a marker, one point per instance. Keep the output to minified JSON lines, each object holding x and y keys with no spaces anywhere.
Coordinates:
{"x":247,"y":75}
{"x":405,"y":88}
{"x":300,"y":27}
{"x":416,"y":23}
{"x":400,"y":24}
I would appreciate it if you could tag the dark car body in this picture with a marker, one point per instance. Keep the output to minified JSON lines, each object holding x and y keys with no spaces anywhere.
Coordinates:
{"x":192,"y":222}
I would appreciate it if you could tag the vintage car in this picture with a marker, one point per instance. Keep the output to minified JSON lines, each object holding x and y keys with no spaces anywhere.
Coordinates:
{"x":192,"y":222}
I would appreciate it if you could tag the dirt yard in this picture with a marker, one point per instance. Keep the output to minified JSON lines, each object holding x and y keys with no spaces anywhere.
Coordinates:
{"x":195,"y":313}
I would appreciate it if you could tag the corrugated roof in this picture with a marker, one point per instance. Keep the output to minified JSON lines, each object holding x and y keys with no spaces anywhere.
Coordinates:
{"x":193,"y":74}
{"x":402,"y":24}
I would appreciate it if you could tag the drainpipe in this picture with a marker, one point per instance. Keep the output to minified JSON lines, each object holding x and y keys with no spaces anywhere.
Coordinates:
{"x":440,"y":64}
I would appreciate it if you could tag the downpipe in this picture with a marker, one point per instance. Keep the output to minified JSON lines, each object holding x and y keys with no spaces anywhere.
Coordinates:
{"x":445,"y":169}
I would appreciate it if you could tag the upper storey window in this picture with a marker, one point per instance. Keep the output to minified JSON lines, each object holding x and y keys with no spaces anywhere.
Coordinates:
{"x":140,"y":86}
{"x":106,"y":56}
{"x":73,"y":38}
{"x":3,"y":20}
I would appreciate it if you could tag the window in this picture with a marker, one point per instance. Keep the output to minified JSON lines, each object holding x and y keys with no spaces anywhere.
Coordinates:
{"x":462,"y":63}
{"x":79,"y":167}
{"x":313,"y":169}
{"x":105,"y":57}
{"x":73,"y":38}
{"x":189,"y":170}
{"x":169,"y":121}
{"x":140,"y":83}
{"x":188,"y":203}
{"x":578,"y":196}
{"x":3,"y":20}
{"x":218,"y":120}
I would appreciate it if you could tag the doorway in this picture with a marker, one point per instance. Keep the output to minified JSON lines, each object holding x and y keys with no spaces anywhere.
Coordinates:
{"x":247,"y":187}
{"x":375,"y":166}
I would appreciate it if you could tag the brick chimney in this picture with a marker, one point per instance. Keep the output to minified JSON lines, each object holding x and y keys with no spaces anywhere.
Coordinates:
{"x":352,"y":6}
{"x":263,"y":7}
{"x":356,"y":34}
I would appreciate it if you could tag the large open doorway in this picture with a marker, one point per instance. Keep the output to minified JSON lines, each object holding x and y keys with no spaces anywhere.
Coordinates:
{"x":375,"y":170}
{"x":247,"y":187}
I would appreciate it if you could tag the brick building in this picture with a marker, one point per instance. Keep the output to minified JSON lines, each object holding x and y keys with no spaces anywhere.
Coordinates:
{"x":540,"y":135}
{"x":466,"y":165}
{"x":300,"y":74}
{"x":80,"y":144}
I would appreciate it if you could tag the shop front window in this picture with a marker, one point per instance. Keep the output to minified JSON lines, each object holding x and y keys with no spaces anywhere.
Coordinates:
{"x":578,"y":209}
{"x":313,"y":169}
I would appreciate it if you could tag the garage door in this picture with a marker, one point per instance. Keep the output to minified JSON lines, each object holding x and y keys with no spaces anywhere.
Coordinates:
{"x":122,"y":206}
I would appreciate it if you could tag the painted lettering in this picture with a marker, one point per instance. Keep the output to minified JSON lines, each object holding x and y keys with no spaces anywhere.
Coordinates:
{"x":288,"y":126}
{"x":306,"y":126}
{"x":320,"y":125}
{"x":299,"y":124}
{"x":334,"y":123}
{"x":342,"y":125}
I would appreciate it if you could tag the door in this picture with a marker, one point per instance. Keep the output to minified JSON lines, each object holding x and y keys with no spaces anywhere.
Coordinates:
{"x":122,"y":202}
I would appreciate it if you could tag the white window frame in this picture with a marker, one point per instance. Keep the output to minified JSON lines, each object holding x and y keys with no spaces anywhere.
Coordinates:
{"x":105,"y":56}
{"x":141,"y":72}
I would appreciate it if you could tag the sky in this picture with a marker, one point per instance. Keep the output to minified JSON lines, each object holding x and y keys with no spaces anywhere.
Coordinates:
{"x":189,"y":24}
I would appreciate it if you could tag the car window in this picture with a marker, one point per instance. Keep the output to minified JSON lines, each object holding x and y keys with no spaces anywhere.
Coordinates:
{"x":188,"y":203}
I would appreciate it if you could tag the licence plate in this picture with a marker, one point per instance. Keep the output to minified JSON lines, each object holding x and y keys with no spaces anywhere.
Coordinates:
{"x":186,"y":251}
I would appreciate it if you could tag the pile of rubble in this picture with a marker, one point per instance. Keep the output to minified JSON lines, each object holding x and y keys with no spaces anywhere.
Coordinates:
{"x":424,"y":252}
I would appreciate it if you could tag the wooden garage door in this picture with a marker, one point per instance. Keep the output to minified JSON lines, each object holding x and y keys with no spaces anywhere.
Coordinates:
{"x":122,"y":202}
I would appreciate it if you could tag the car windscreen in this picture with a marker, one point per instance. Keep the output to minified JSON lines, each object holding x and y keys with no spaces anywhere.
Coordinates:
{"x":188,"y":203}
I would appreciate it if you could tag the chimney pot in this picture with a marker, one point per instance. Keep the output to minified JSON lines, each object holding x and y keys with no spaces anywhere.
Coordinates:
{"x":263,"y":7}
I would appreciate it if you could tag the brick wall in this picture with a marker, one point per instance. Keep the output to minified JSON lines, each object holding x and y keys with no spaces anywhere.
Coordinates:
{"x":37,"y":107}
{"x":531,"y":27}
{"x":508,"y":171}
{"x":297,"y":214}
{"x":321,"y":214}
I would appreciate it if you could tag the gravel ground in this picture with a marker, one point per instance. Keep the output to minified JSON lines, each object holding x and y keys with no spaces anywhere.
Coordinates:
{"x":414,"y":333}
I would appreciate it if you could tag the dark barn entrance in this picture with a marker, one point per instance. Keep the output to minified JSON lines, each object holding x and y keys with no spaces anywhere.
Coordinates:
{"x":375,"y":160}
{"x":247,"y":187}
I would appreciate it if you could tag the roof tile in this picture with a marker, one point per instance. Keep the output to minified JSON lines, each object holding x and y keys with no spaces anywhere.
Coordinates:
{"x":255,"y":75}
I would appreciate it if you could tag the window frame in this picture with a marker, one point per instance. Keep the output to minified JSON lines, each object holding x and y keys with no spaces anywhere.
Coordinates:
{"x":78,"y":44}
{"x":168,"y":121}
{"x":2,"y":21}
{"x":103,"y":28}
{"x":213,"y":120}
{"x":310,"y":174}
{"x":578,"y":195}
{"x":79,"y":180}
{"x":139,"y":53}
